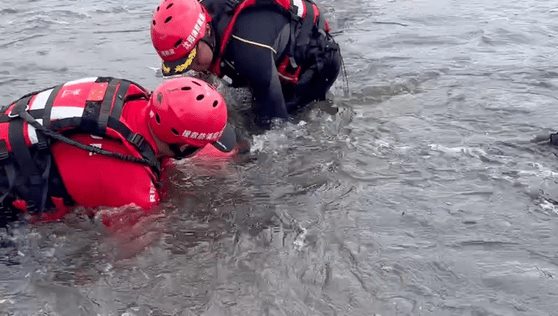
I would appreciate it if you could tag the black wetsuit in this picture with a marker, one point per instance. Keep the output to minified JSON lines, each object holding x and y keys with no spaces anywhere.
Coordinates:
{"x":260,"y":40}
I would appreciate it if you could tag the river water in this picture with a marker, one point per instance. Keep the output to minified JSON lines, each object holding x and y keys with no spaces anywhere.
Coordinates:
{"x":424,"y":194}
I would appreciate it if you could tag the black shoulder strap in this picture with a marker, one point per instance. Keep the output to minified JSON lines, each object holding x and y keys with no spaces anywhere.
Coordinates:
{"x":137,"y":140}
{"x":120,"y":99}
{"x":106,"y":106}
{"x":48,"y":105}
{"x":7,"y":164}
{"x":301,"y":33}
{"x":34,"y":184}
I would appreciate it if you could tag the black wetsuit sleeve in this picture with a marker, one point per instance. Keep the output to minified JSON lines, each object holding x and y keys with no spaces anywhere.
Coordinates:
{"x":259,"y":39}
{"x":257,"y":66}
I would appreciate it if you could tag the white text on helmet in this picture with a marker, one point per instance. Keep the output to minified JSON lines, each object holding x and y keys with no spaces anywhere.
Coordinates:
{"x":195,"y":32}
{"x":166,"y":53}
{"x":201,"y":136}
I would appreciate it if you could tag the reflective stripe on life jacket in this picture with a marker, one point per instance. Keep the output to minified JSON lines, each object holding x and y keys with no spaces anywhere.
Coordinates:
{"x":90,"y":105}
{"x":305,"y":20}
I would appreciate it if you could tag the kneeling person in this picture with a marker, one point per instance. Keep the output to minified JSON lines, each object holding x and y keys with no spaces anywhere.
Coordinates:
{"x":101,"y":142}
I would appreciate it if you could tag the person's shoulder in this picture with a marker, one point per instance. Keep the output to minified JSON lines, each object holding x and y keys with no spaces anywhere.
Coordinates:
{"x":256,"y":14}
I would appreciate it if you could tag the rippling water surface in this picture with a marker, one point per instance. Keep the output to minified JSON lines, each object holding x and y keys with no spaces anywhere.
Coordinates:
{"x":423,"y":195}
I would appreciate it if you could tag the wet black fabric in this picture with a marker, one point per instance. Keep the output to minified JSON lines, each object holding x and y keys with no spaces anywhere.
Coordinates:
{"x":252,"y":65}
{"x":315,"y":81}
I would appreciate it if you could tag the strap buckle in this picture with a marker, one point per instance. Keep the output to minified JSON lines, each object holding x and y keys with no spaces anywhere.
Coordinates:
{"x":232,"y":4}
{"x":136,"y":139}
{"x":42,"y":145}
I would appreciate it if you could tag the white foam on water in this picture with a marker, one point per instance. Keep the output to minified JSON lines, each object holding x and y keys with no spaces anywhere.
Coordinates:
{"x":299,"y":242}
{"x":275,"y":140}
{"x":548,"y":206}
{"x":540,"y":171}
{"x":456,"y":151}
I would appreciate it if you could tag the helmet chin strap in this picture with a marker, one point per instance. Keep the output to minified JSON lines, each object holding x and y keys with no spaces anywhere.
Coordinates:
{"x":184,"y":74}
{"x":209,"y":39}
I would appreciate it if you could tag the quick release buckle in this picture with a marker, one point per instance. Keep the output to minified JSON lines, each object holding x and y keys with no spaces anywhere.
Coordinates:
{"x":42,"y":145}
{"x":136,"y":139}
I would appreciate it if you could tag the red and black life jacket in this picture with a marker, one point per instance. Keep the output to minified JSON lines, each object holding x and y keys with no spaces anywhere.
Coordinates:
{"x":29,"y":125}
{"x":305,"y":18}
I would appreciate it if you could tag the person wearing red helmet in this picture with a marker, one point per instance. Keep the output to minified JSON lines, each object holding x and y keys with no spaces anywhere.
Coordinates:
{"x":281,"y":49}
{"x":101,"y":142}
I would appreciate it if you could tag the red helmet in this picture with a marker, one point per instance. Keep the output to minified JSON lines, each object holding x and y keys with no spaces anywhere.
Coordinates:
{"x":187,"y":111}
{"x":176,"y":29}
